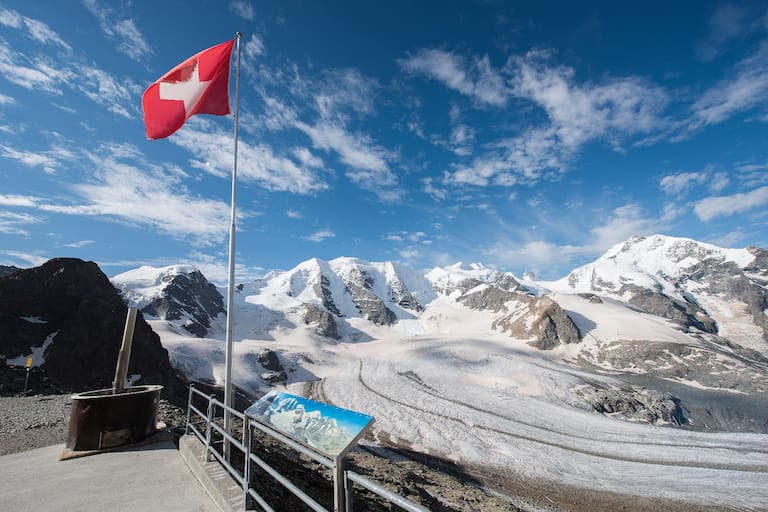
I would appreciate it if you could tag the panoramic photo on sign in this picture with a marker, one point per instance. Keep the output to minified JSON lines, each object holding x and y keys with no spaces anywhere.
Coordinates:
{"x":324,"y":427}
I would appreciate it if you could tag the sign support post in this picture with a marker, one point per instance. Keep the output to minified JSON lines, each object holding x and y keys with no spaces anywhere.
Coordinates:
{"x":26,"y":378}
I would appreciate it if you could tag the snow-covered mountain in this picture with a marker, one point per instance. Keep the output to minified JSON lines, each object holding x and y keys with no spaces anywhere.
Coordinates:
{"x":179,"y":292}
{"x":699,"y":286}
{"x":657,"y":307}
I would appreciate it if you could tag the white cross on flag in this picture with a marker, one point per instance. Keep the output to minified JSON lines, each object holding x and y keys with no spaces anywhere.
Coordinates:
{"x":199,"y":85}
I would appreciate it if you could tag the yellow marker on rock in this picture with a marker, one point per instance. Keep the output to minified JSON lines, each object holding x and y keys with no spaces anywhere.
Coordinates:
{"x":29,"y":362}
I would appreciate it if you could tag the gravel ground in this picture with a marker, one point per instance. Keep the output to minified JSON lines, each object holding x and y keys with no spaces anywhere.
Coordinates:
{"x":29,"y":422}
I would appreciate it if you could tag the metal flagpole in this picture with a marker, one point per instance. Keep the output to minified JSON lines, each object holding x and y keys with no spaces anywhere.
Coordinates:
{"x":231,"y":279}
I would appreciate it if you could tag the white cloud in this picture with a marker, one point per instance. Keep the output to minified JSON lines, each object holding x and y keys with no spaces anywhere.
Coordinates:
{"x":81,"y":243}
{"x":11,"y":222}
{"x":534,"y":155}
{"x":306,"y":157}
{"x":10,"y":18}
{"x":623,"y":222}
{"x":117,"y":95}
{"x":671,"y":212}
{"x":723,"y":206}
{"x":746,"y":88}
{"x":134,"y":198}
{"x":16,"y":200}
{"x":577,"y":114}
{"x":367,"y":161}
{"x":407,"y":236}
{"x":40,"y":77}
{"x":410,"y":254}
{"x":293,"y":214}
{"x":243,"y":9}
{"x":6,"y":100}
{"x":680,"y":183}
{"x":30,"y":159}
{"x":35,"y":29}
{"x":254,"y":47}
{"x":130,"y":41}
{"x":343,"y":91}
{"x":256,"y":163}
{"x":434,"y":192}
{"x":33,"y":259}
{"x":476,"y":78}
{"x":319,"y":236}
{"x":42,"y":33}
{"x":583,"y":112}
{"x":720,"y":180}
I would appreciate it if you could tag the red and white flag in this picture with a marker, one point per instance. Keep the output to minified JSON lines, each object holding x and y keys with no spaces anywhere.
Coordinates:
{"x":199,"y":85}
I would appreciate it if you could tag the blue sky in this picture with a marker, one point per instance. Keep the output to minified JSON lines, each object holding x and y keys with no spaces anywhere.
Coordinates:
{"x":530,"y":138}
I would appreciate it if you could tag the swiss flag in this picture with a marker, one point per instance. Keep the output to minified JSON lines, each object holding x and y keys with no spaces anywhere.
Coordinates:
{"x":199,"y":85}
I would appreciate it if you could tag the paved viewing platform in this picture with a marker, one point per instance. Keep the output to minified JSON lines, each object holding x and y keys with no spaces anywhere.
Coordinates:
{"x":147,"y":478}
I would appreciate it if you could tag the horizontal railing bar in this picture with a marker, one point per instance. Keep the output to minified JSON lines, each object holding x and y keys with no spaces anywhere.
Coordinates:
{"x":288,"y":484}
{"x":260,"y":500}
{"x":198,"y":411}
{"x":385,"y":493}
{"x":199,"y":434}
{"x":197,"y":391}
{"x":232,"y":411}
{"x":293,"y":444}
{"x":231,"y":438}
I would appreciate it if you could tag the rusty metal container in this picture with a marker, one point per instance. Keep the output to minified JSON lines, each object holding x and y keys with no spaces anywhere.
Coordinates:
{"x":101,"y":419}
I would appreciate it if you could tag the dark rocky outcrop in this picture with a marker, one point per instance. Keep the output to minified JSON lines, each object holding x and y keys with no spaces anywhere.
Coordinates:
{"x":370,"y":305}
{"x":73,"y":303}
{"x":323,"y":320}
{"x":189,"y":296}
{"x":550,"y":327}
{"x":269,"y":360}
{"x":489,"y":298}
{"x":635,"y":404}
{"x":688,"y":314}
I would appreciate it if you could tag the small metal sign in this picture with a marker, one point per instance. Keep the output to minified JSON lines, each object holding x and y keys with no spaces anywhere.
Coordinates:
{"x":326,"y":428}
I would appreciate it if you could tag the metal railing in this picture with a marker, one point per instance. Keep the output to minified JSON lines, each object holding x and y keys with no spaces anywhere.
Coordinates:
{"x":343,"y":479}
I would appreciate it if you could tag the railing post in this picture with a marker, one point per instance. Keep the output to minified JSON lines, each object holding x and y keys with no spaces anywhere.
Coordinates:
{"x":247,"y":463}
{"x":348,"y":494}
{"x":208,"y":428}
{"x":338,"y":485}
{"x":189,"y":409}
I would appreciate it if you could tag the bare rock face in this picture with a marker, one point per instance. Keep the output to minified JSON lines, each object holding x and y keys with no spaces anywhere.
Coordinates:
{"x":323,"y":290}
{"x":489,"y":298}
{"x":73,"y":305}
{"x":540,"y":320}
{"x":189,"y":296}
{"x":677,"y":361}
{"x":688,"y":314}
{"x":274,"y":372}
{"x":370,"y":305}
{"x":635,"y":404}
{"x":323,"y":320}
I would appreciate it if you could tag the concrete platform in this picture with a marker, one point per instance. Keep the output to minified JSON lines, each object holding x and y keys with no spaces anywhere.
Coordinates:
{"x":224,"y":490}
{"x":150,"y":478}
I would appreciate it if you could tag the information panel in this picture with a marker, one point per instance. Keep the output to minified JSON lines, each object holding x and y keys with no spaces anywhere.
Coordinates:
{"x":326,"y":428}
